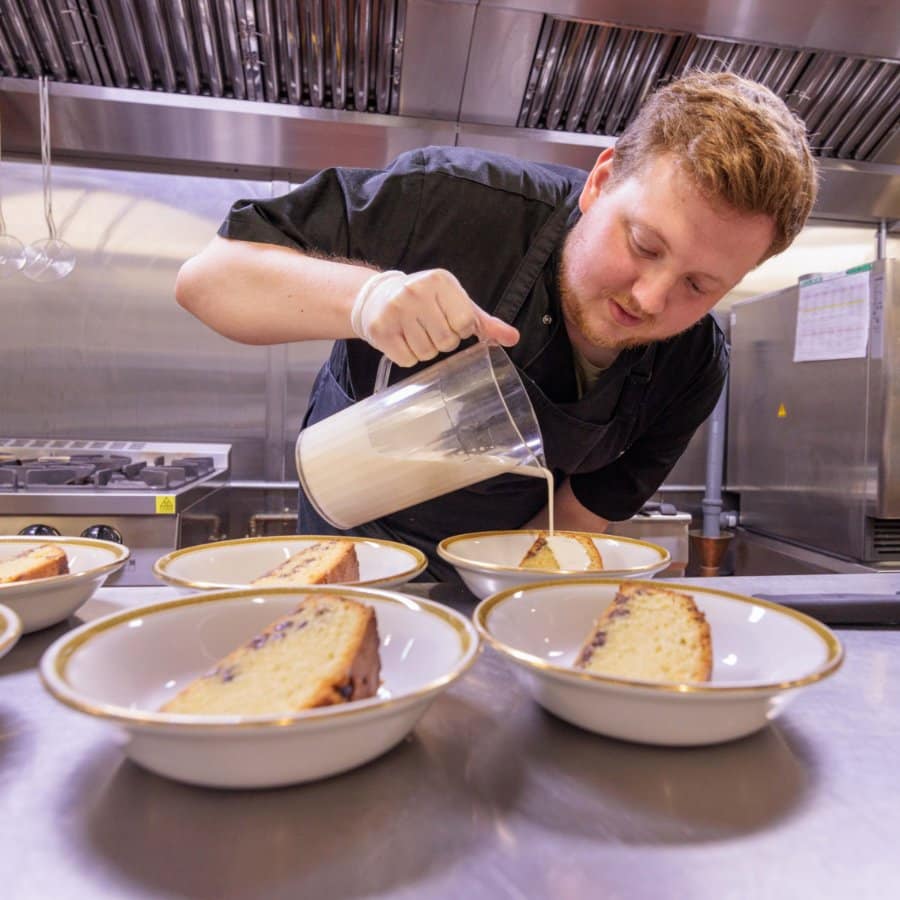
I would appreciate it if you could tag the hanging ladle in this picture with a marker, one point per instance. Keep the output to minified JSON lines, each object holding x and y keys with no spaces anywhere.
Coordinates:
{"x":12,"y":253}
{"x":51,"y":258}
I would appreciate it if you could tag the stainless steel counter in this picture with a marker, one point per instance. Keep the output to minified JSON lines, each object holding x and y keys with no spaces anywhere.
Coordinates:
{"x":490,"y":797}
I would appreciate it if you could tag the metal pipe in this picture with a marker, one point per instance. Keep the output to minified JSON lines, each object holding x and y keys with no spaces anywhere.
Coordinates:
{"x":715,"y":455}
{"x":881,"y":240}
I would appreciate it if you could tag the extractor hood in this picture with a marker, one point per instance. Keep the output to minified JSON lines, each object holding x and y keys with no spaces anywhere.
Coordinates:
{"x":290,"y":86}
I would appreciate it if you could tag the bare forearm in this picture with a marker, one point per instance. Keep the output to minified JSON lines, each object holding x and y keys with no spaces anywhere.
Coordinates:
{"x":266,"y":294}
{"x":569,"y":514}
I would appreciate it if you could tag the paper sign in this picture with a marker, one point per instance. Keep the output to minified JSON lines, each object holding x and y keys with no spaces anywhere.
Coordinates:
{"x":833,"y":318}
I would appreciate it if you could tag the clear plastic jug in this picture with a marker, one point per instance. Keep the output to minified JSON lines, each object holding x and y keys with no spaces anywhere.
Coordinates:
{"x":458,"y":422}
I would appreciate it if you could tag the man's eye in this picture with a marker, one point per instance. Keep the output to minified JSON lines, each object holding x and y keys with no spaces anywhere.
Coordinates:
{"x":694,"y":286}
{"x":641,"y":250}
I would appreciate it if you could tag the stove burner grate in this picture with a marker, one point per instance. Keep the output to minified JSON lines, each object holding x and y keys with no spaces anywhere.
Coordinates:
{"x":84,"y":471}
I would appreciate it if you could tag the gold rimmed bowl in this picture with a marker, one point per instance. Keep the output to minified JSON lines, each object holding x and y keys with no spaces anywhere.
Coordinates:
{"x":10,"y":630}
{"x":122,"y":668}
{"x":764,"y":655}
{"x":490,"y":561}
{"x":42,"y":602}
{"x":235,"y":564}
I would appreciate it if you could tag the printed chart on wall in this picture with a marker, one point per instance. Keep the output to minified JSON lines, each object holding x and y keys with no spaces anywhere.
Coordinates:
{"x":833,"y":315}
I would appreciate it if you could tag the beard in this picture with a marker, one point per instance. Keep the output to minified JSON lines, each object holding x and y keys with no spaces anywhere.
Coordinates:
{"x":583,"y":316}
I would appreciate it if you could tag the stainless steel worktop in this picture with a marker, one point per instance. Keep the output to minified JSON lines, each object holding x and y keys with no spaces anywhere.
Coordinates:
{"x":490,"y":797}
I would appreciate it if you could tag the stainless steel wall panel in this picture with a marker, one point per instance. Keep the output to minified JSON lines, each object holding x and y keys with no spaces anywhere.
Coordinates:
{"x":436,"y":40}
{"x":107,"y":351}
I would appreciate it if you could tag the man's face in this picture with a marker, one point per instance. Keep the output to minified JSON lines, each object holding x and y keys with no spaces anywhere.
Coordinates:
{"x":650,"y":256}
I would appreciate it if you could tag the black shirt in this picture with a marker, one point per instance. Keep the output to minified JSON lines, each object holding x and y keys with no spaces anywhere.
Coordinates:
{"x":498,"y":225}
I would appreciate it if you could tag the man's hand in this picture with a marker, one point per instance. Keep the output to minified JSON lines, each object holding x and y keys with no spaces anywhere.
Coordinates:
{"x":411,"y":318}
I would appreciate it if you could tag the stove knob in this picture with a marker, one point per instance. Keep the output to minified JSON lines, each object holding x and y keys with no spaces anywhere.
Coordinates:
{"x":103,"y":533}
{"x":40,"y":529}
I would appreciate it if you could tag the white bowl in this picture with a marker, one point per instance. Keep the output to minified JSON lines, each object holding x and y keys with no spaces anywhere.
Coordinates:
{"x":488,"y":561}
{"x":123,"y":667}
{"x":763,"y":654}
{"x":234,"y":564}
{"x":42,"y":602}
{"x":10,"y":630}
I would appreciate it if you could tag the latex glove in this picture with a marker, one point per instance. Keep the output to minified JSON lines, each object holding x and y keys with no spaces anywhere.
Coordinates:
{"x":411,"y":318}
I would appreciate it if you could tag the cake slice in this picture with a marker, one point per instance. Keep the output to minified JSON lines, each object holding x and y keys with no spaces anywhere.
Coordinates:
{"x":323,"y":562}
{"x":325,"y":652}
{"x":38,"y":562}
{"x":563,"y":551}
{"x":649,"y":634}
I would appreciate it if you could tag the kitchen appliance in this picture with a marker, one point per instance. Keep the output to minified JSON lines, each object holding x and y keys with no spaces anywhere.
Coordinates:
{"x":152,"y":496}
{"x":662,"y":524}
{"x":814,"y":424}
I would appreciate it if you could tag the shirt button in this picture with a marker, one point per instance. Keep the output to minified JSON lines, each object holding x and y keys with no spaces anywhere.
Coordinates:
{"x":547,"y":320}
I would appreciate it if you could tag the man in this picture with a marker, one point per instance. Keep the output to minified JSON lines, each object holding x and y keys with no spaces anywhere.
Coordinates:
{"x":598,"y":285}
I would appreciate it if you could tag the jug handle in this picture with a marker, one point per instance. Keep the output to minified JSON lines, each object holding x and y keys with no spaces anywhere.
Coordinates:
{"x":382,"y":374}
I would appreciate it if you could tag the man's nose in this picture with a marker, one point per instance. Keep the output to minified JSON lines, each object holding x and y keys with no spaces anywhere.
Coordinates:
{"x":651,"y":291}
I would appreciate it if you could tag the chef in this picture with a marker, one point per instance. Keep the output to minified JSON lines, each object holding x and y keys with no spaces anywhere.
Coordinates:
{"x":599,"y":285}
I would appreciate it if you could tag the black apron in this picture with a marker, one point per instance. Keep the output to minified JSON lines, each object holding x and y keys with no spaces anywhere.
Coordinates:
{"x":572,"y":444}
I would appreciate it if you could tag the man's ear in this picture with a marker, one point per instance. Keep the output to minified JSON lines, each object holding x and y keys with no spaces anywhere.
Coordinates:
{"x":598,"y":176}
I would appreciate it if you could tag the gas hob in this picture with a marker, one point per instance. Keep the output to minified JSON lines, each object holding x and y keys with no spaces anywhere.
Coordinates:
{"x":151,"y":496}
{"x":81,"y":477}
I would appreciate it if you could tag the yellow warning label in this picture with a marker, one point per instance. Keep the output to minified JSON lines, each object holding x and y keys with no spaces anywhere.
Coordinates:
{"x":165,"y":505}
{"x":782,"y":412}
